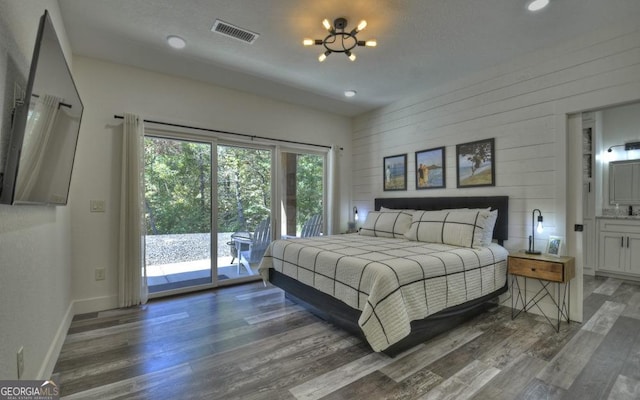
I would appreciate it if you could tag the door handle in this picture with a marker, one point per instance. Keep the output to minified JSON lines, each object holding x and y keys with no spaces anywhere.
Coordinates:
{"x":621,"y":241}
{"x":627,"y":242}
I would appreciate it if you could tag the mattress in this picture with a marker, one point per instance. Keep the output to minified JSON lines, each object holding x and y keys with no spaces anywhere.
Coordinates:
{"x":392,"y":281}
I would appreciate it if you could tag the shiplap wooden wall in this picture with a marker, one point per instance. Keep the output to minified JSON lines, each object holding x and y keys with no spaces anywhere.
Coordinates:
{"x":524,"y":106}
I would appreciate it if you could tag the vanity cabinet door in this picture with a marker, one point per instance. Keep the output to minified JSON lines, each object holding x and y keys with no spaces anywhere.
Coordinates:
{"x":633,"y":253}
{"x":612,"y":252}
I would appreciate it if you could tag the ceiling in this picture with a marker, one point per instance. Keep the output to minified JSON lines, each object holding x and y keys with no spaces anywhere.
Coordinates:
{"x":421,"y":43}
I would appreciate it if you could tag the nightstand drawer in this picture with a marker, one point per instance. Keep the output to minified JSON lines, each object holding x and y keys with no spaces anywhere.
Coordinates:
{"x":546,"y":270}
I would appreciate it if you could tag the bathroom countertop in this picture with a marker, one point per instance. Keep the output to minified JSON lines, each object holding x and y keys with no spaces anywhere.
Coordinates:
{"x":632,"y":217}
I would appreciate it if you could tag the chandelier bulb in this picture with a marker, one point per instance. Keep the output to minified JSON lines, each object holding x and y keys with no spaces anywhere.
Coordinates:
{"x":323,"y":56}
{"x":362,"y":25}
{"x":308,"y":42}
{"x":371,"y":43}
{"x":326,"y":24}
{"x":351,"y":56}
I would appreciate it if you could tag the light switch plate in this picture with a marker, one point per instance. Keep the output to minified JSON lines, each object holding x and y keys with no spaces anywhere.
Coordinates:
{"x":96,"y":205}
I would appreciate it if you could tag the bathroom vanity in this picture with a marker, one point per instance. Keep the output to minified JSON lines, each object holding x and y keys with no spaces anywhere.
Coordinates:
{"x":619,"y":245}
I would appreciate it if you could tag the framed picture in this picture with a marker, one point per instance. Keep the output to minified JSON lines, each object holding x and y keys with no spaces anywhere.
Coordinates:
{"x":430,"y":169}
{"x":395,"y":172}
{"x":476,"y":164}
{"x":554,"y":246}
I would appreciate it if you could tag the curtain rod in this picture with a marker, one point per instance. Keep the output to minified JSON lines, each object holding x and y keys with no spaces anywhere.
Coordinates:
{"x":228,"y":133}
{"x":60,"y":104}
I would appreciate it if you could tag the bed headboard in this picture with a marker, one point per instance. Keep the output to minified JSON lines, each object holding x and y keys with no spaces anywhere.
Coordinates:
{"x":500,"y":203}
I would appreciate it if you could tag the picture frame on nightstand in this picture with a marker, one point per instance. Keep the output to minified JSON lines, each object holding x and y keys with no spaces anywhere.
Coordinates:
{"x":555,"y":246}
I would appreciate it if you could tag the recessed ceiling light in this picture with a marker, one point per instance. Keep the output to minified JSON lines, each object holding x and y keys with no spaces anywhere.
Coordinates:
{"x":350,"y":93}
{"x":176,"y":42}
{"x":536,"y":5}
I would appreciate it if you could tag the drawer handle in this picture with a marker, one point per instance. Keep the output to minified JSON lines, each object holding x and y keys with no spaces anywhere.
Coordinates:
{"x":533,"y":270}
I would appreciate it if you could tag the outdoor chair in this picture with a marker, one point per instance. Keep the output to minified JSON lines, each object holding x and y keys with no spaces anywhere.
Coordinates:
{"x":250,"y":247}
{"x":312,"y":226}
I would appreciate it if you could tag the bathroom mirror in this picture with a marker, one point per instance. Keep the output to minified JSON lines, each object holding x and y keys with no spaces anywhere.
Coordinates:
{"x":624,"y":182}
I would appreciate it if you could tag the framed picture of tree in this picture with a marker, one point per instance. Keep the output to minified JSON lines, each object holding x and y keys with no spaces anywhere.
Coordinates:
{"x":395,"y":172}
{"x":430,"y":169}
{"x":476,"y":164}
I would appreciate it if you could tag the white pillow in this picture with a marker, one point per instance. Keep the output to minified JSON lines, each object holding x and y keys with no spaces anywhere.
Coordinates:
{"x":488,"y":228}
{"x":465,"y":228}
{"x":487,"y":239}
{"x":388,"y":223}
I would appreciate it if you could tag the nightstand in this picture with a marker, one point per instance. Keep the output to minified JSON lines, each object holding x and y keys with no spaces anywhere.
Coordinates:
{"x":548,"y":270}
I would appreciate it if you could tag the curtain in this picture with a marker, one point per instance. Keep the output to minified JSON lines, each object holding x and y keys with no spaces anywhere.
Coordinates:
{"x":132,"y":274}
{"x":36,"y":138}
{"x":334,"y":191}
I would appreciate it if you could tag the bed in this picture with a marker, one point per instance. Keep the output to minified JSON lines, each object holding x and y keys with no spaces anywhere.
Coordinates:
{"x":392,"y":291}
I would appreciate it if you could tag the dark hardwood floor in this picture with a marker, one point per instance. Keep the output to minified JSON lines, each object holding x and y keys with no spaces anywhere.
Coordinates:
{"x":249,"y":342}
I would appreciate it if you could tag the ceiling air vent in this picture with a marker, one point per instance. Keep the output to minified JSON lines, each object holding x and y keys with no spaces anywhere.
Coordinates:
{"x":225,"y":28}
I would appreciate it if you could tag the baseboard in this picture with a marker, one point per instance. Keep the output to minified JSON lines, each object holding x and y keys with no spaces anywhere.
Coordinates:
{"x":76,"y":307}
{"x":49,"y":362}
{"x":95,"y":304}
{"x":625,"y":277}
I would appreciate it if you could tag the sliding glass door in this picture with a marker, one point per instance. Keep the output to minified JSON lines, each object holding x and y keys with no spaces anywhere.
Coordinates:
{"x":244,"y":200}
{"x":178,"y":213}
{"x":209,"y":207}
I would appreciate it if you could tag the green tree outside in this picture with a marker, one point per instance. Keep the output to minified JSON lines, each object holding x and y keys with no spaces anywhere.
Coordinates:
{"x":178,"y":182}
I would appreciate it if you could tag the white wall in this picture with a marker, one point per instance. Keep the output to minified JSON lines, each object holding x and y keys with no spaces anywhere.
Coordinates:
{"x":107,"y":89}
{"x":523,"y":105}
{"x":619,"y":126}
{"x":35,"y":252}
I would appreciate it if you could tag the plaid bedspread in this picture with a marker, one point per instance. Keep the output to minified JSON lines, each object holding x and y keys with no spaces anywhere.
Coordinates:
{"x":392,"y":281}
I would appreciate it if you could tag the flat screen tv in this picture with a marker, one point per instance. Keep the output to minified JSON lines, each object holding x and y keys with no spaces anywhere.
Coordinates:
{"x":45,"y":128}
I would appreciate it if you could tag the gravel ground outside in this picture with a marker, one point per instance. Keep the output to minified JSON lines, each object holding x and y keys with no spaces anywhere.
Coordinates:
{"x":167,"y":249}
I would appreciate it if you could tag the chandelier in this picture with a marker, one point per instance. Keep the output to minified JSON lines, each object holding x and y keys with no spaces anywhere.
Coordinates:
{"x":339,"y":39}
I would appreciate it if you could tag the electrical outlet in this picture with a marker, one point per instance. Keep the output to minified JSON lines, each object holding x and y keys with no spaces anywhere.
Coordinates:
{"x":20,"y":362}
{"x":99,"y":274}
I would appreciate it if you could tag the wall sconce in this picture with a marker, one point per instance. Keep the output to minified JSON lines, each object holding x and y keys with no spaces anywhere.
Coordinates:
{"x":627,"y":146}
{"x":532,"y":238}
{"x":351,"y":226}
